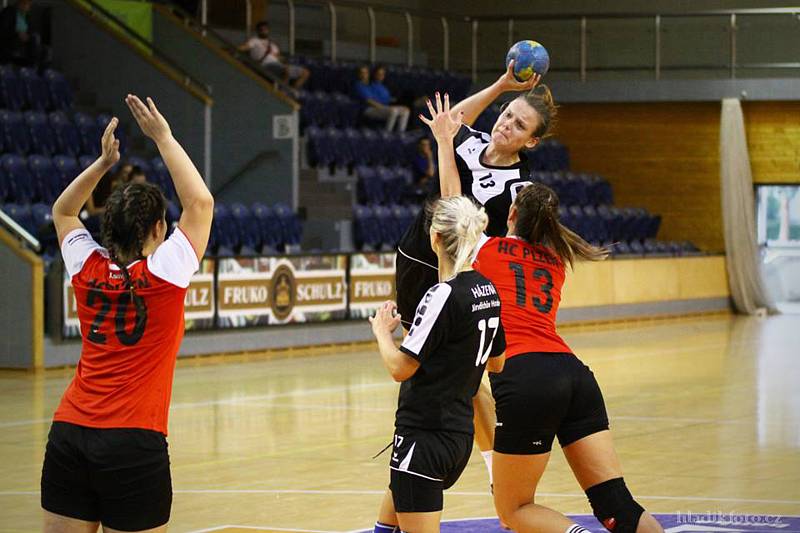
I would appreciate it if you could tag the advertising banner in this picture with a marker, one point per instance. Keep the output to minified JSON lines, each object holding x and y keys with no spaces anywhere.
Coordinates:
{"x":254,"y":291}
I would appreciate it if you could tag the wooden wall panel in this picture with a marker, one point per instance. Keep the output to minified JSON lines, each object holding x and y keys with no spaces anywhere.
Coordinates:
{"x":628,"y":281}
{"x":773,"y":136}
{"x":661,"y":156}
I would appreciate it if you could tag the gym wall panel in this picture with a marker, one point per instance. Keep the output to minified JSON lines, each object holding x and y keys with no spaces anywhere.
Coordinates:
{"x":640,"y":281}
{"x":661,"y":156}
{"x":773,"y":137}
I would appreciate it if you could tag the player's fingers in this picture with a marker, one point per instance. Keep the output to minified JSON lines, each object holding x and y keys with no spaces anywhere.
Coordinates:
{"x":140,"y":107}
{"x":438,"y":102}
{"x":510,"y":69}
{"x":112,"y":125}
{"x":430,"y":108}
{"x":425,"y":120}
{"x":447,"y":103}
{"x":136,"y":111}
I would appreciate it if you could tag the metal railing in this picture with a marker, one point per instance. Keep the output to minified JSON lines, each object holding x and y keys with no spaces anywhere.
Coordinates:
{"x":225,"y":44}
{"x":584,"y":21}
{"x":114,"y":21}
{"x":19,"y":232}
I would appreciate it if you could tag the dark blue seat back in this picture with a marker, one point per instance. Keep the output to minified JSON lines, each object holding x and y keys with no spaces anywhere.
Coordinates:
{"x":67,"y":137}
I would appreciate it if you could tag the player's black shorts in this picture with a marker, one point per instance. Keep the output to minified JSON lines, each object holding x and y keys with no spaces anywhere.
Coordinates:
{"x":541,"y":395}
{"x":423,"y":464}
{"x":412,"y":281}
{"x":119,"y":477}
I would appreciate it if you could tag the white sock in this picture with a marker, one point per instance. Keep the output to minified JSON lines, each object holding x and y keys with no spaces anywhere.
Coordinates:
{"x":487,"y":458}
{"x":575,"y":528}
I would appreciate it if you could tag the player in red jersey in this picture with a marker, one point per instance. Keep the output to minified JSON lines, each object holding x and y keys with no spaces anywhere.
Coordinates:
{"x":106,"y":460}
{"x":544,"y":389}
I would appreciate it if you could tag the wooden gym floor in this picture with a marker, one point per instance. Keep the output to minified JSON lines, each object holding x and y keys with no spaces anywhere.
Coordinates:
{"x":705,"y":414}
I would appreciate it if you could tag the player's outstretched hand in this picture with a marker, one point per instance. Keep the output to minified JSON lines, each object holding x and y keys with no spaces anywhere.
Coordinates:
{"x":442,"y":123}
{"x":508,"y":82}
{"x":151,"y":122}
{"x":385,"y":319}
{"x":109,"y":145}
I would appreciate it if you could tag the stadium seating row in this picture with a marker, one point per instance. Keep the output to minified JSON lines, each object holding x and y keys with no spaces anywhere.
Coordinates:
{"x":346,"y":148}
{"x":405,"y":83}
{"x":39,"y":178}
{"x":24,"y":88}
{"x":237,"y":229}
{"x":256,"y":230}
{"x":37,"y":132}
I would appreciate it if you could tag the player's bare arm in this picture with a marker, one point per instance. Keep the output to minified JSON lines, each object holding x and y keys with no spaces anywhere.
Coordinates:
{"x":69,"y":204}
{"x":444,"y":125}
{"x":195,"y":198}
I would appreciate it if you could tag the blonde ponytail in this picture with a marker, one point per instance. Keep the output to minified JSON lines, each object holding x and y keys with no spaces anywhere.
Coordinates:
{"x":460,"y":224}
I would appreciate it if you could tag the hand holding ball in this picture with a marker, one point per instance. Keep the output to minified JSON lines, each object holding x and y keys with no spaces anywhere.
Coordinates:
{"x":528,"y":57}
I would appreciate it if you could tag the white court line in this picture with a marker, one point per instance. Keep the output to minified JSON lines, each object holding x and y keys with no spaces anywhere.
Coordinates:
{"x":451,"y":492}
{"x":297,"y":530}
{"x":242,"y":400}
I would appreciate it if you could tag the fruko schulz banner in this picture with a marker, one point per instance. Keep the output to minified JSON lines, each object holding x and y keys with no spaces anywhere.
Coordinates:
{"x":199,"y":302}
{"x":371,"y":282}
{"x":254,"y":291}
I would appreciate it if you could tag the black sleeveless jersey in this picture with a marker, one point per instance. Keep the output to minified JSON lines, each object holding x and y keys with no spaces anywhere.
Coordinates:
{"x":495,"y":188}
{"x":455,"y":330}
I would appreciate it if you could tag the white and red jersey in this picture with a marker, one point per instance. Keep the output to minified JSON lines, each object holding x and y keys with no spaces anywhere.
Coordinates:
{"x":124,"y":376}
{"x":529,"y":279}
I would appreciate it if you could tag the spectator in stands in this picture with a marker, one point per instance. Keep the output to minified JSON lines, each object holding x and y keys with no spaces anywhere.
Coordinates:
{"x":136,"y":175}
{"x":18,"y":42}
{"x":266,"y":53}
{"x":378,"y":100}
{"x":423,"y":163}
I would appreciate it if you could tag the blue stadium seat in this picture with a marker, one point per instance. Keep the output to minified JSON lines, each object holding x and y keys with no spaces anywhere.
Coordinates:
{"x":45,"y":177}
{"x":270,"y":232}
{"x":16,"y":137}
{"x":290,"y":224}
{"x":12,"y":93}
{"x":89,"y":133}
{"x":34,"y":89}
{"x":159,"y":174}
{"x":319,"y":150}
{"x":249,"y":234}
{"x":6,"y":189}
{"x":21,"y":213}
{"x":366,"y":233}
{"x":347,"y":110}
{"x":384,"y":222}
{"x":226,"y":234}
{"x":369,"y":185}
{"x":22,"y":182}
{"x":67,"y":169}
{"x":67,"y":137}
{"x":43,"y":140}
{"x":371,"y":145}
{"x":59,"y":90}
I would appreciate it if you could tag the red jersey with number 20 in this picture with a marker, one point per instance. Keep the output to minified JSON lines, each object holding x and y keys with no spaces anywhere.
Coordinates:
{"x":528,"y":279}
{"x":124,"y":376}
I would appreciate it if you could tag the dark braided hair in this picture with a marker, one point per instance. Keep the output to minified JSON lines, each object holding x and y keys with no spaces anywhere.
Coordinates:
{"x":537,"y":223}
{"x":130,"y":213}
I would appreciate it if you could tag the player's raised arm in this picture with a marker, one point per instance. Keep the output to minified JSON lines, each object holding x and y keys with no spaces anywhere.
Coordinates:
{"x":69,"y":204}
{"x":444,"y":125}
{"x":195,"y":198}
{"x":474,"y":105}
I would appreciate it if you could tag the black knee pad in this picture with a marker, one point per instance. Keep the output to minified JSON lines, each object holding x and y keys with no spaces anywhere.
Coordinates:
{"x":614,"y":506}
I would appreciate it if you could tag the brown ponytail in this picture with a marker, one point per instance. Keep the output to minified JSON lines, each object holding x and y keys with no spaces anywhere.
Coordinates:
{"x":541,"y":100}
{"x":537,"y":222}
